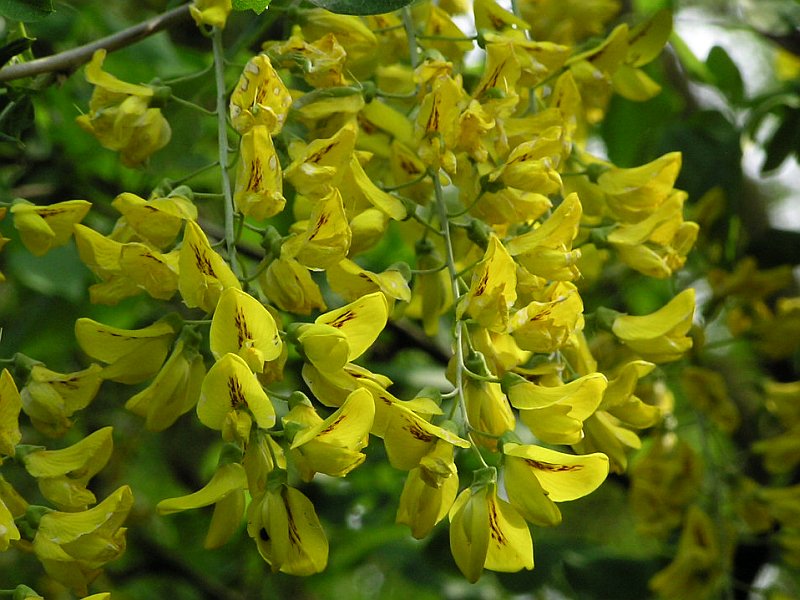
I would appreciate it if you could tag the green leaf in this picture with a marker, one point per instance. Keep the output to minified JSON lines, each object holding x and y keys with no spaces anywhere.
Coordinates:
{"x":11,"y":49}
{"x":257,"y":6}
{"x":783,"y":142}
{"x":726,"y":74}
{"x":361,"y":7}
{"x":26,"y":10}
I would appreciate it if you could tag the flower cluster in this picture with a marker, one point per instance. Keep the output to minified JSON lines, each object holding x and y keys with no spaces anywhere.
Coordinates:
{"x":486,"y":181}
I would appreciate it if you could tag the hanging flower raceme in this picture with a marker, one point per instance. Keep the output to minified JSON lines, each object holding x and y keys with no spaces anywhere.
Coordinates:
{"x":120,"y":115}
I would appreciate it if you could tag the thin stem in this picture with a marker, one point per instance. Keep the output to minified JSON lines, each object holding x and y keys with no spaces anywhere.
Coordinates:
{"x":413,"y":48}
{"x":192,"y":105}
{"x":75,"y":57}
{"x":189,"y":77}
{"x":193,"y":174}
{"x":447,"y":38}
{"x":459,"y":325}
{"x":406,"y":184}
{"x":222,"y":142}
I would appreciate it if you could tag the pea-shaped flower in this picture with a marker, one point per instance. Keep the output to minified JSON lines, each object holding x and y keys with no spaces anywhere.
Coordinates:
{"x":660,"y":336}
{"x":44,"y":227}
{"x":120,"y":116}
{"x":243,"y":326}
{"x":231,"y":398}
{"x":73,"y":547}
{"x":10,"y":407}
{"x":487,"y":532}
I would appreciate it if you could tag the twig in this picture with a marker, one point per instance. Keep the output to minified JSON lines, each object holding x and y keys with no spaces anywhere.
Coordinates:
{"x":75,"y":57}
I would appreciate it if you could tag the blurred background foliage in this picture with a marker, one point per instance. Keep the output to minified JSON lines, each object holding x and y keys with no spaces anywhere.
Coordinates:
{"x":730,"y":103}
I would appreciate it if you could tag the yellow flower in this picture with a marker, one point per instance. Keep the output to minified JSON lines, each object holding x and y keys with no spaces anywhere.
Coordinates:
{"x":408,"y":437}
{"x":657,"y":245}
{"x":783,"y":401}
{"x":287,"y":531}
{"x":326,"y":240}
{"x":536,"y":477}
{"x":489,"y":15}
{"x":131,"y":355}
{"x":213,"y":13}
{"x":492,"y":291}
{"x":568,"y":21}
{"x":547,"y":324}
{"x":488,"y":411}
{"x":487,"y":532}
{"x":429,"y":490}
{"x":351,"y":282}
{"x":634,"y":193}
{"x":126,"y":268}
{"x":262,"y":456}
{"x":44,"y":227}
{"x":664,"y":482}
{"x":288,"y":285}
{"x":225,"y":491}
{"x":175,"y":389}
{"x":259,"y":185}
{"x":546,"y":251}
{"x":322,"y":61}
{"x":436,"y":127}
{"x":621,"y":403}
{"x":10,"y":407}
{"x":8,"y":529}
{"x":346,"y":334}
{"x":781,"y":453}
{"x":360,"y":44}
{"x":63,"y":474}
{"x":708,"y":392}
{"x":699,"y":564}
{"x":229,"y":395}
{"x":73,"y":547}
{"x":243,"y":326}
{"x":51,"y":398}
{"x":260,"y":98}
{"x":120,"y":117}
{"x":603,"y":432}
{"x":331,"y":446}
{"x":660,"y":336}
{"x":156,"y":221}
{"x":555,"y":414}
{"x":203,"y":274}
{"x":439,"y":24}
{"x":321,"y":164}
